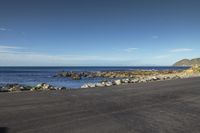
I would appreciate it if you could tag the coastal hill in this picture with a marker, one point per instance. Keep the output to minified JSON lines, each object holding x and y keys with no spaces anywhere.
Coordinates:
{"x":187,"y":62}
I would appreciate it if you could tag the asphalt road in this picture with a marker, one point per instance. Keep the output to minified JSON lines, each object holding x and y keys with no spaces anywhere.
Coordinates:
{"x":158,"y":107}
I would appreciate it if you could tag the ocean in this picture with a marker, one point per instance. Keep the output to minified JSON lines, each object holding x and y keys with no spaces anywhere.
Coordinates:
{"x":35,"y":75}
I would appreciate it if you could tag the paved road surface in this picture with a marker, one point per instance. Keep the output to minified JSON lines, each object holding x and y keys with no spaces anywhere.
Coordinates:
{"x":159,"y":107}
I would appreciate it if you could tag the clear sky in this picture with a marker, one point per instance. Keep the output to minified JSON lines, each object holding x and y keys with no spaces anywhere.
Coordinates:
{"x":98,"y":32}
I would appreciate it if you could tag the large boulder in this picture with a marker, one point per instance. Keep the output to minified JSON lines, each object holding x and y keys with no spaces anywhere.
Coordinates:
{"x":117,"y":82}
{"x":125,"y":80}
{"x":108,"y":83}
{"x":91,"y":85}
{"x":135,"y":80}
{"x":42,"y":87}
{"x":84,"y":86}
{"x":99,"y":85}
{"x":143,"y":80}
{"x":155,"y":78}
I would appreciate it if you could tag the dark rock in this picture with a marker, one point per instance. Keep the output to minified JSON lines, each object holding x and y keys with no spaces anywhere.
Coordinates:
{"x":72,"y":75}
{"x":63,"y":88}
{"x":76,"y":76}
{"x":26,"y":88}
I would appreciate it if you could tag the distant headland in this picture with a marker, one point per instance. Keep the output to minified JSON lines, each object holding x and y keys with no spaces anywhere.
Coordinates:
{"x":187,"y":62}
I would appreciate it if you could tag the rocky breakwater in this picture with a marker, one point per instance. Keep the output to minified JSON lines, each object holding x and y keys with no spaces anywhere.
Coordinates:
{"x":20,"y":88}
{"x":144,"y":79}
{"x":112,"y":74}
{"x":147,"y":76}
{"x":72,"y":75}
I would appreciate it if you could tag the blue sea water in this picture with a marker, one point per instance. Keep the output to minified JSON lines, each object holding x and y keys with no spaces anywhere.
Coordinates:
{"x":34,"y":75}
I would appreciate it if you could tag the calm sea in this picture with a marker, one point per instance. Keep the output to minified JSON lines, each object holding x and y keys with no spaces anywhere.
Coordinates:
{"x":35,"y":75}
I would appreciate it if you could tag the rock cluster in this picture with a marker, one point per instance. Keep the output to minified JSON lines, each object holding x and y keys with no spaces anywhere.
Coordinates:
{"x":19,"y":88}
{"x":144,"y":79}
{"x":42,"y":87}
{"x":14,"y":87}
{"x":112,"y":74}
{"x":73,"y":75}
{"x":167,"y":75}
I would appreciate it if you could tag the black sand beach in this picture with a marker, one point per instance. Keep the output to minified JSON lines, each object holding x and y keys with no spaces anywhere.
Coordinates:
{"x":157,"y":107}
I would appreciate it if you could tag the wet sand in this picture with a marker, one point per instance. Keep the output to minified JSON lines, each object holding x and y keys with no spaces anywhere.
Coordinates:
{"x":157,"y":107}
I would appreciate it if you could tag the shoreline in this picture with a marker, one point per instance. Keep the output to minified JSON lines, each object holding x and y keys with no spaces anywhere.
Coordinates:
{"x":124,"y":77}
{"x":33,"y":76}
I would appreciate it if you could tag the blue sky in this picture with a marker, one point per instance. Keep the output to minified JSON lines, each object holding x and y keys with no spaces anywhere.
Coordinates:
{"x":98,"y":32}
